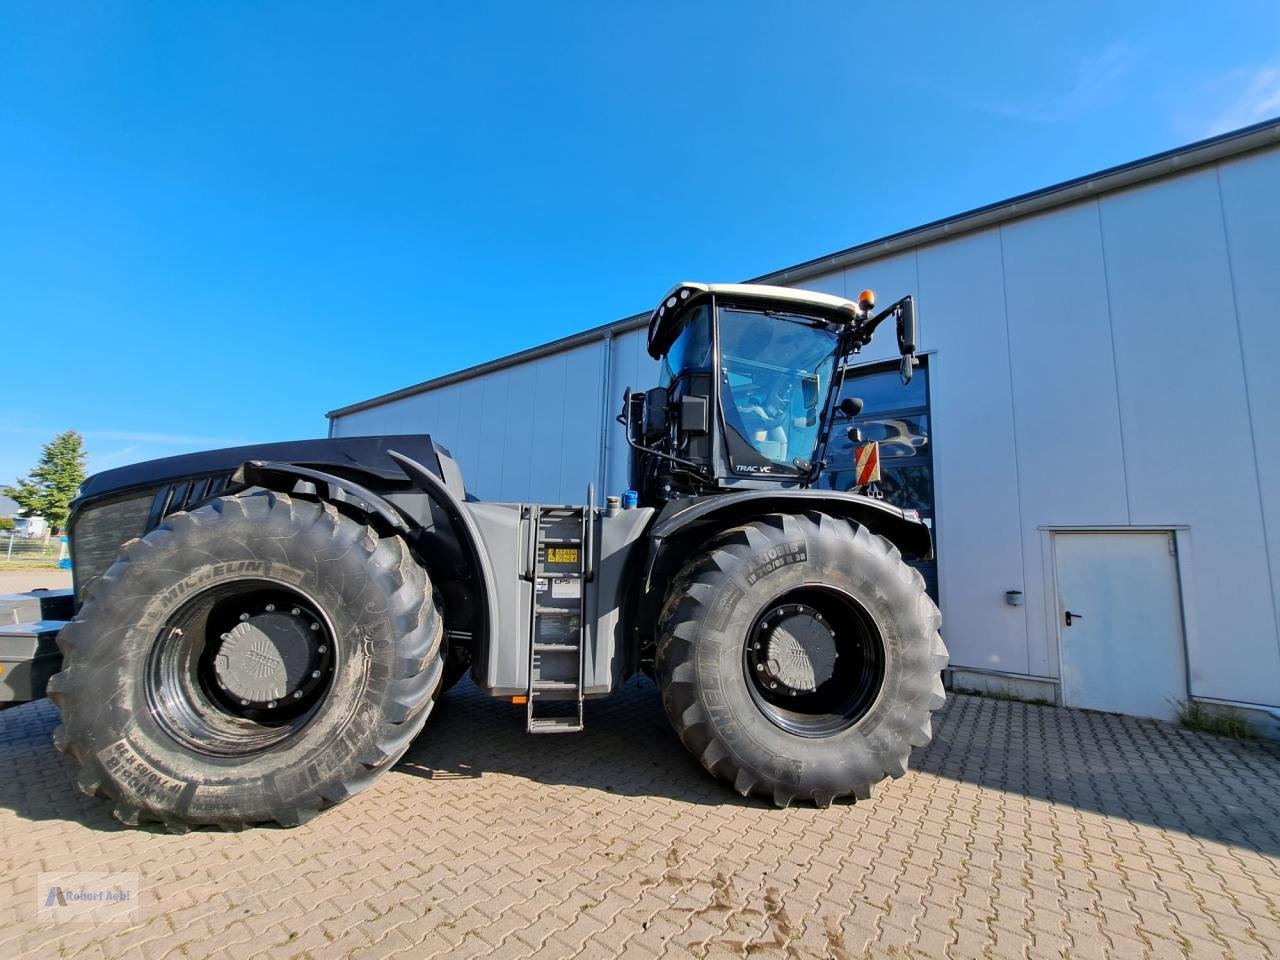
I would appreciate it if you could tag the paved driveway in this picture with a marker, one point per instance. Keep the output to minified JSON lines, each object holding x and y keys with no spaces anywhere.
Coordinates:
{"x":1022,"y":831}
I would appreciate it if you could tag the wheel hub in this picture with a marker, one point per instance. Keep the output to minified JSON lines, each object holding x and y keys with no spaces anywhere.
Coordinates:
{"x":269,"y":657}
{"x":795,"y":650}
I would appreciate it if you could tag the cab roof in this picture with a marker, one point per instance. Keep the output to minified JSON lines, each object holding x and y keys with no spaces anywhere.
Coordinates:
{"x":686,"y":295}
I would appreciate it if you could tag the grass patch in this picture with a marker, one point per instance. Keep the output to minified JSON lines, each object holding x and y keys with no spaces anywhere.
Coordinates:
{"x":1222,"y":722}
{"x":1005,"y":696}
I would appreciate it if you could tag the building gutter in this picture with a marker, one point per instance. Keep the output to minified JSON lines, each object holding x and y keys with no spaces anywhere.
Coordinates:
{"x":605,"y":388}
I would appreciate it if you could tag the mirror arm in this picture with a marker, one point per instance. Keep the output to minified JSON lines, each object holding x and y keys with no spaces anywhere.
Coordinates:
{"x":867,"y":328}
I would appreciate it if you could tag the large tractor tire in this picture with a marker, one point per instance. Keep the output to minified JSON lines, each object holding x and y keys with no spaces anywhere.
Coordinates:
{"x":799,"y":658}
{"x":255,"y":660}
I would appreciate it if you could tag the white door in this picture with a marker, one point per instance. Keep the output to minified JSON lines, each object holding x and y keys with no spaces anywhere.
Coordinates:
{"x":1120,"y":623}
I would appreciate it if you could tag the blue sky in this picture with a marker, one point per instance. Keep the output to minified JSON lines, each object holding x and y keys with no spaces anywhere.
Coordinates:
{"x":218,"y":221}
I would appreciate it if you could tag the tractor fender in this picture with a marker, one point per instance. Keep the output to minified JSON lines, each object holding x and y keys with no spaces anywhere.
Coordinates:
{"x":442,"y":492}
{"x":270,"y":474}
{"x":282,"y":476}
{"x":682,"y":518}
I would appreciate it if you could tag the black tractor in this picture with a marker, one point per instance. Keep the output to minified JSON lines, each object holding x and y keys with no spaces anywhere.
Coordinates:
{"x":261,"y":632}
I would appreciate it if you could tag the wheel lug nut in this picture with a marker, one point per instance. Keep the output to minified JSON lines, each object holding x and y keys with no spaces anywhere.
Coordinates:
{"x":297,"y":694}
{"x":244,"y":617}
{"x":315,"y":674}
{"x":295,"y":611}
{"x":271,"y":607}
{"x":760,"y":666}
{"x":244,"y":703}
{"x":773,"y":686}
{"x":270,"y":703}
{"x":315,"y":626}
{"x":322,"y":649}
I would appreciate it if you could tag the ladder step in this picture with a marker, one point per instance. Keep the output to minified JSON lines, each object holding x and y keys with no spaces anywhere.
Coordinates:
{"x":554,"y":725}
{"x":555,"y":648}
{"x":553,"y":686}
{"x":568,"y":541}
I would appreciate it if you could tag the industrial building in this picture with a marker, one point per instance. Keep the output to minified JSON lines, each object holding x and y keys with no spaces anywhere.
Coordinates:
{"x":1094,"y":432}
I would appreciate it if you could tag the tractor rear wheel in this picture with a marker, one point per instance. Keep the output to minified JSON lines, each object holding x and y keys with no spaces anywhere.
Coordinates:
{"x":257,"y":659}
{"x":799,"y":658}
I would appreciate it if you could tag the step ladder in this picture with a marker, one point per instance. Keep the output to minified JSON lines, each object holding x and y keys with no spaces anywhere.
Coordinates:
{"x":560,"y":565}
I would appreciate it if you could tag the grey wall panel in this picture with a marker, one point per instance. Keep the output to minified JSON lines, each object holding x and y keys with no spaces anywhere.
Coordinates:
{"x":1250,"y":189}
{"x":1070,"y":453}
{"x":486,"y":482}
{"x":579,"y":439}
{"x":517,"y":458}
{"x":1189,"y":452}
{"x":631,"y":366}
{"x":464,"y":438}
{"x":832,"y":283}
{"x":976,"y":494}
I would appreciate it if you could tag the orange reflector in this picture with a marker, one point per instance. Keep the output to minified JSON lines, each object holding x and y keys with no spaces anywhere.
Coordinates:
{"x":519,"y":699}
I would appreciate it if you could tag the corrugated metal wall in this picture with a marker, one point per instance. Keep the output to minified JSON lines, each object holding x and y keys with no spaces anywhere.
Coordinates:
{"x":1109,"y":363}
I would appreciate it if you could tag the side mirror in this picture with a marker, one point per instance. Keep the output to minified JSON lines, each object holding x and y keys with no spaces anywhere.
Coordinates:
{"x":907,"y":335}
{"x":695,"y":417}
{"x":907,"y":326}
{"x":655,"y":414}
{"x":851,"y":407}
{"x":632,"y":416}
{"x":809,"y":394}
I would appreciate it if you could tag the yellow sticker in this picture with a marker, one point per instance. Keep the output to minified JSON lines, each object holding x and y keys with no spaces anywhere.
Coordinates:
{"x":562,"y":554}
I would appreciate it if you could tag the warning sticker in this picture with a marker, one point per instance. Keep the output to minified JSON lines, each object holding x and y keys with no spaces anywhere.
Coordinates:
{"x":562,"y":554}
{"x":564,"y":588}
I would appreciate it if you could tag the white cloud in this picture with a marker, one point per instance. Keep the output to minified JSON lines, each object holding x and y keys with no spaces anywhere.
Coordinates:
{"x":1252,"y":94}
{"x":107,"y":459}
{"x":1097,"y":79}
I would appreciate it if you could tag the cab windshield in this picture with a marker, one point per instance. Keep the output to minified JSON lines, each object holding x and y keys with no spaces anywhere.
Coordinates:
{"x":775,"y":371}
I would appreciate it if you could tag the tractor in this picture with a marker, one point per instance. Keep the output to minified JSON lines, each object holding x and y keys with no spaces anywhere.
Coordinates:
{"x":261,"y":632}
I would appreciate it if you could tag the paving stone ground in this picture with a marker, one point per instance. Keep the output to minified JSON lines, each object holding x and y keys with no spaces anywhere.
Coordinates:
{"x":1022,"y":831}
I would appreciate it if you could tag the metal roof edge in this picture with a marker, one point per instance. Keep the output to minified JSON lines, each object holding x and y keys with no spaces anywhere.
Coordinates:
{"x":1154,"y":167}
{"x":1170,"y":162}
{"x":490,"y":366}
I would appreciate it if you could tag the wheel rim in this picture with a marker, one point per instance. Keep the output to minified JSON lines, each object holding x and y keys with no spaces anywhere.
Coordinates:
{"x":240,"y":668}
{"x":814,"y":662}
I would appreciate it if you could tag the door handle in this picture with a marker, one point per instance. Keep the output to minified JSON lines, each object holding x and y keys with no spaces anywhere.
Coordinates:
{"x":1073,"y":616}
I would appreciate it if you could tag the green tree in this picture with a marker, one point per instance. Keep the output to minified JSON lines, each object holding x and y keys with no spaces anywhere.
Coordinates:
{"x":47,"y":490}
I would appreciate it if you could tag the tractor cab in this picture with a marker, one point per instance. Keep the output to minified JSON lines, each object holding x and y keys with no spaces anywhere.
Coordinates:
{"x":745,"y":396}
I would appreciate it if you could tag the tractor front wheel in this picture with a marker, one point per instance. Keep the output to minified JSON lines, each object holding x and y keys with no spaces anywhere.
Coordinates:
{"x":255,"y":660}
{"x":799,"y":658}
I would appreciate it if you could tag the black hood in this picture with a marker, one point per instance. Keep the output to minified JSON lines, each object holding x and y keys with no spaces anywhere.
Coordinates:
{"x":367,"y":454}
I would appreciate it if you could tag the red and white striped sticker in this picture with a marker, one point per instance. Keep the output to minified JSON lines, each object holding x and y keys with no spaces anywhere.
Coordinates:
{"x":867,"y":464}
